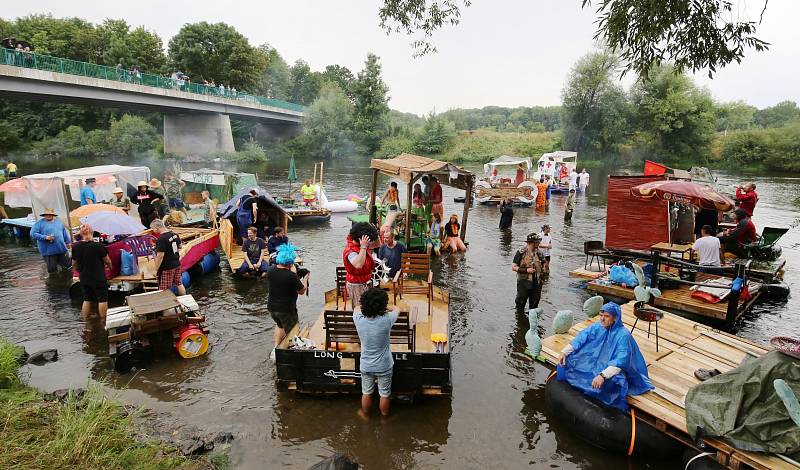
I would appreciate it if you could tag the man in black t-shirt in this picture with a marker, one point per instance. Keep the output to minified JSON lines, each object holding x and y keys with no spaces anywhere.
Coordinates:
{"x":284,"y":287}
{"x":255,"y":259}
{"x":91,"y":260}
{"x":168,"y":258}
{"x":147,"y":200}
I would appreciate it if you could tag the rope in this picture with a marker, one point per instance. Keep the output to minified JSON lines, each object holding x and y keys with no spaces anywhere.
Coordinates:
{"x":633,"y":432}
{"x":698,"y":456}
{"x":552,"y":374}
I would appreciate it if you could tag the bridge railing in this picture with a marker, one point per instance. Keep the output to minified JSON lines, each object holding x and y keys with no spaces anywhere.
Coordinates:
{"x":84,"y":69}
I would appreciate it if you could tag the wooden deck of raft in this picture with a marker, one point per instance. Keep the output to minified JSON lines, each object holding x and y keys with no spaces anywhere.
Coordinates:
{"x":415,"y":304}
{"x":679,"y":299}
{"x":683,"y":347}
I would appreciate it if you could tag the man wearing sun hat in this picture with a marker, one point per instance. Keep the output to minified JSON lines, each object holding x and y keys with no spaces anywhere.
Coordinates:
{"x":53,"y":241}
{"x":162,"y":205}
{"x":530,"y":265}
{"x":120,"y":200}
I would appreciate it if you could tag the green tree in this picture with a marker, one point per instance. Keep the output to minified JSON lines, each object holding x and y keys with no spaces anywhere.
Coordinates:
{"x":218,"y":52}
{"x":304,"y":84}
{"x":276,"y":81}
{"x":436,"y":136}
{"x":327,"y":124}
{"x":371,"y":109}
{"x":340,"y":76}
{"x":131,"y":135}
{"x":734,"y":116}
{"x":595,"y":108}
{"x":694,"y":35}
{"x":139,"y":47}
{"x":676,"y":117}
{"x":778,"y":115}
{"x":9,"y":137}
{"x":71,"y":38}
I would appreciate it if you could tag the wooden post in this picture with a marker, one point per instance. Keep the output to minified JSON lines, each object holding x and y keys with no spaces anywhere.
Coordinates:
{"x":656,"y":266}
{"x":408,"y":212}
{"x":66,"y":206}
{"x":467,"y":202}
{"x":321,"y":167}
{"x":314,"y":178}
{"x":373,"y":219}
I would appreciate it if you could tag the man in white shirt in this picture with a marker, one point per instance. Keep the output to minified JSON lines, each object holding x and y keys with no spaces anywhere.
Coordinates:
{"x":583,"y":180}
{"x":708,"y":248}
{"x":546,"y":244}
{"x":573,"y":179}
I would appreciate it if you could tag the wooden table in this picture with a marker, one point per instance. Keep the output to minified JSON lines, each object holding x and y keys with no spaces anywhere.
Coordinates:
{"x":670,"y":248}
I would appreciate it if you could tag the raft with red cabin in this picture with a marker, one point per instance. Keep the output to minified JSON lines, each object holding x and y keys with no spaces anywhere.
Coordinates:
{"x":656,"y":232}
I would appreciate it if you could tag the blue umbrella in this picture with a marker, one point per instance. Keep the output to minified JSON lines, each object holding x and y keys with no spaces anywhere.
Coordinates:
{"x":113,"y":223}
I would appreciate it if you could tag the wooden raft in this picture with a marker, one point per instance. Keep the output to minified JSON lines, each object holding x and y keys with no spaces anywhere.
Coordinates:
{"x":415,"y":304}
{"x":683,"y":347}
{"x":681,"y":299}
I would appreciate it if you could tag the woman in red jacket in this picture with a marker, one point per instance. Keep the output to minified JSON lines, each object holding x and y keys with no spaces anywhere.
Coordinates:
{"x":747,"y":198}
{"x":357,"y":258}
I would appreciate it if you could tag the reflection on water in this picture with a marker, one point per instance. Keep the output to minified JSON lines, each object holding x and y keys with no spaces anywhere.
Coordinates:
{"x":496,"y":416}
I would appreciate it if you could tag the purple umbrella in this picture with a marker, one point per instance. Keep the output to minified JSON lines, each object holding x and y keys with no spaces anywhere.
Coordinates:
{"x":113,"y":223}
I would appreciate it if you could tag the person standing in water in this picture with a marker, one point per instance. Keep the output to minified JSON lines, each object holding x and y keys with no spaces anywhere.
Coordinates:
{"x":529,"y":264}
{"x":506,"y":214}
{"x":570,"y":206}
{"x":583,"y":181}
{"x":546,"y":245}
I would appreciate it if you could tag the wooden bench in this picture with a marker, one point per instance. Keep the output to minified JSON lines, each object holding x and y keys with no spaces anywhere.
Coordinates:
{"x":340,"y":328}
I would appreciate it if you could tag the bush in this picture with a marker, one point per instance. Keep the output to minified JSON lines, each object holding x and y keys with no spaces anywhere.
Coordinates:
{"x":747,"y":147}
{"x":436,"y":136}
{"x":131,"y":135}
{"x":395,"y":145}
{"x":252,"y":153}
{"x":9,"y":137}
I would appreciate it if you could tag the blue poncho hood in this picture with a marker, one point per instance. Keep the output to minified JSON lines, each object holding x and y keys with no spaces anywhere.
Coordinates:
{"x":597,"y":348}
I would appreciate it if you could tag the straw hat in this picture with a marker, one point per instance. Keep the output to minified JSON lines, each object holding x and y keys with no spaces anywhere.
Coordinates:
{"x":48,"y":211}
{"x":118,"y":190}
{"x":154,"y":183}
{"x":141,"y":183}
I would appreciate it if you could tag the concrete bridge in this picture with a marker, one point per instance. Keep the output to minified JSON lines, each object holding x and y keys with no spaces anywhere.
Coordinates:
{"x":196,"y":117}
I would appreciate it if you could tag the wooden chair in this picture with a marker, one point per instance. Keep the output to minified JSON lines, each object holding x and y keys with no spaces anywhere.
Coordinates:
{"x":340,"y":328}
{"x":414,"y":265}
{"x":341,"y":286}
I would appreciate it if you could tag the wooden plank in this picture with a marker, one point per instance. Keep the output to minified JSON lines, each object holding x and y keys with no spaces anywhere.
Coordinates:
{"x":583,"y":273}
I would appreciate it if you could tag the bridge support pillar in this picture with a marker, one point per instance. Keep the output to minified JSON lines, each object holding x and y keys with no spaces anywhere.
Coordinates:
{"x":197,"y":134}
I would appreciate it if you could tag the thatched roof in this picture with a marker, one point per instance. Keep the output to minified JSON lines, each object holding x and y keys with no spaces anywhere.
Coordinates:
{"x":406,"y":167}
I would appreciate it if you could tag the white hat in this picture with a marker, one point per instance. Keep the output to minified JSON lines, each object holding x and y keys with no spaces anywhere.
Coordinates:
{"x":118,"y":190}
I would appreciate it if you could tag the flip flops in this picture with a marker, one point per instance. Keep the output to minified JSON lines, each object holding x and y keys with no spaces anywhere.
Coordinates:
{"x":705,"y":374}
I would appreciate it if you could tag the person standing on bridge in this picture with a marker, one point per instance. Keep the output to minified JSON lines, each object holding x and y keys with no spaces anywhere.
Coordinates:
{"x":87,"y":192}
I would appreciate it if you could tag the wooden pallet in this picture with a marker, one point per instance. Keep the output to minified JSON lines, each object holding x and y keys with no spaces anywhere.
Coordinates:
{"x":683,"y":347}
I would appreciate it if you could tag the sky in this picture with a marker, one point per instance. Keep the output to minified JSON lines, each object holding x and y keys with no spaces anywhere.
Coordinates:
{"x":504,"y":52}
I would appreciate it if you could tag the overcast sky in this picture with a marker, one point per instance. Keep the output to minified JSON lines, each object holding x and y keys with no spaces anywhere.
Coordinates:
{"x":504,"y":52}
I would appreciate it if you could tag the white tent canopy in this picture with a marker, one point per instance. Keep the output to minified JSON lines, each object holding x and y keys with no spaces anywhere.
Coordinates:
{"x":506,"y":160}
{"x":48,"y":190}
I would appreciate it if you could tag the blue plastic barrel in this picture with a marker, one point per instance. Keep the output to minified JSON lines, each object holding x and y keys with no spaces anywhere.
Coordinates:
{"x":186,"y":279}
{"x":210,"y":262}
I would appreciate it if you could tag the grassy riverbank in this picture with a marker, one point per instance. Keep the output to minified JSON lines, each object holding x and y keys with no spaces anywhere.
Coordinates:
{"x":87,"y":432}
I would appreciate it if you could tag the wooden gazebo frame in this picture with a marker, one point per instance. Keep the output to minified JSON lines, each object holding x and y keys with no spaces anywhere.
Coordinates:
{"x":409,"y":169}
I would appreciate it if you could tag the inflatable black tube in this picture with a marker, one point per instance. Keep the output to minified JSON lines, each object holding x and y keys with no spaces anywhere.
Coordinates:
{"x":606,"y":427}
{"x":775,"y":290}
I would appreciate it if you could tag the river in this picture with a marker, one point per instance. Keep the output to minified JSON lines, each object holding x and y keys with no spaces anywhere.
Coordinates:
{"x":496,"y":416}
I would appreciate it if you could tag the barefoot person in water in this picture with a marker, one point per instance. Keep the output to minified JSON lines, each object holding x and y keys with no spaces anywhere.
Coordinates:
{"x":374,"y":322}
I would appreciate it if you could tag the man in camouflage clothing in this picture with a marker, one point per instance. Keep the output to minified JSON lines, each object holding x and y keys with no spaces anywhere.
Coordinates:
{"x":530,"y":265}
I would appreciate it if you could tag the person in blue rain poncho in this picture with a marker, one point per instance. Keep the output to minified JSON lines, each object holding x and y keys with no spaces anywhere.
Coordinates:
{"x":604,"y":362}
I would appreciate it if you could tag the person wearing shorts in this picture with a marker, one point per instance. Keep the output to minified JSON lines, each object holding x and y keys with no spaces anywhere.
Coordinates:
{"x":374,"y":320}
{"x":284,"y":286}
{"x":168,"y":258}
{"x":90,"y":259}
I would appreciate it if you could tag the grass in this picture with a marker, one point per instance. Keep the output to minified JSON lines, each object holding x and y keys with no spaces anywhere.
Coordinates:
{"x":93,"y":432}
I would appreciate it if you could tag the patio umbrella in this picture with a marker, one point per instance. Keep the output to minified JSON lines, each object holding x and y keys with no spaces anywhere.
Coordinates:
{"x":292,"y":177}
{"x":83,"y":211}
{"x":684,"y":192}
{"x":113,"y":223}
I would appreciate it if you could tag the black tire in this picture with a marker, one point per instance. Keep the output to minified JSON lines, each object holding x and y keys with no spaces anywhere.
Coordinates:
{"x":76,"y":292}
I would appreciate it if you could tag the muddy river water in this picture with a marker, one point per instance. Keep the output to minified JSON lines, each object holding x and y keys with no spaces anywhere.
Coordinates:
{"x":496,"y":416}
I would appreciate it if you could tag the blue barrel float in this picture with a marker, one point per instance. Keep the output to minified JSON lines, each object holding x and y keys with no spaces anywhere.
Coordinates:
{"x":186,"y":280}
{"x":210,"y":262}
